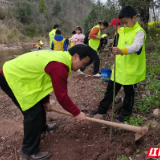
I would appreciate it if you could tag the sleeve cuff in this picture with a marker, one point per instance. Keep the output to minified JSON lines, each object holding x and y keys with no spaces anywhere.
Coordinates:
{"x":76,"y":113}
{"x":124,"y":51}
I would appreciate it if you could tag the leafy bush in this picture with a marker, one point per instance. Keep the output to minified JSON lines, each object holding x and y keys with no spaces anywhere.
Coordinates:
{"x":13,"y":34}
{"x":24,"y":12}
{"x":43,"y":8}
{"x":57,"y":8}
{"x":2,"y":13}
{"x":3,"y":32}
{"x":41,"y":31}
{"x":31,"y":30}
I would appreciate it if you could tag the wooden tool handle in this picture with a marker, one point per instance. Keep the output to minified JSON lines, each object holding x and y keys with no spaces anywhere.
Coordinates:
{"x":119,"y":125}
{"x":62,"y":112}
{"x":113,"y":124}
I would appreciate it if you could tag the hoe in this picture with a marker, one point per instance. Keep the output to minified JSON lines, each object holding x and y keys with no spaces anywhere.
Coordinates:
{"x":139,"y":131}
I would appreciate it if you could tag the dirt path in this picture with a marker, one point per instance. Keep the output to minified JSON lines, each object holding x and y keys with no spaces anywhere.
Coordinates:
{"x":20,"y":45}
{"x":73,"y":140}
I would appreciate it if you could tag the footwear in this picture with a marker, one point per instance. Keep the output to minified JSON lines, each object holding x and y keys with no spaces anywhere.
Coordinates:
{"x":97,"y":75}
{"x":80,"y":71}
{"x":39,"y":155}
{"x":52,"y":127}
{"x":122,"y":118}
{"x":96,"y":111}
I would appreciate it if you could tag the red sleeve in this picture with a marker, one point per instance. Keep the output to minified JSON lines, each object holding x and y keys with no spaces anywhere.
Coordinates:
{"x":59,"y":75}
{"x":94,"y":32}
{"x":2,"y":72}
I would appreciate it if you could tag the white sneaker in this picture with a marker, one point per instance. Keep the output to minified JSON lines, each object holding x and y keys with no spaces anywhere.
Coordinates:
{"x":97,"y":75}
{"x":80,"y":71}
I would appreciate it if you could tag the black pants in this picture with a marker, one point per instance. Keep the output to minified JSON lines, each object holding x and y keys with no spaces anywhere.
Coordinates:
{"x":95,"y":59}
{"x":34,"y":121}
{"x":128,"y":99}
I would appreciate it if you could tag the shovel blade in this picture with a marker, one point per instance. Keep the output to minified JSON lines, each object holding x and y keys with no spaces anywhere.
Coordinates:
{"x":140,"y":135}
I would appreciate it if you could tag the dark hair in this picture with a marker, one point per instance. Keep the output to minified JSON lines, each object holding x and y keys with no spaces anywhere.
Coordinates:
{"x":82,"y":50}
{"x":58,"y":32}
{"x":108,"y":34}
{"x":105,"y":23}
{"x":73,"y":32}
{"x":127,"y":12}
{"x":56,"y":26}
{"x":79,"y":28}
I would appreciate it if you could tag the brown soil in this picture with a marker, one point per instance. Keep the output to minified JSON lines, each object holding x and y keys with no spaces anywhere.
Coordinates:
{"x":73,"y":140}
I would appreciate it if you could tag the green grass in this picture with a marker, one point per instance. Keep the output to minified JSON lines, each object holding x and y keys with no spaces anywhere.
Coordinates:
{"x":101,"y":90}
{"x":138,"y":150}
{"x":106,"y":59}
{"x":122,"y":157}
{"x":135,"y":121}
{"x":150,"y":87}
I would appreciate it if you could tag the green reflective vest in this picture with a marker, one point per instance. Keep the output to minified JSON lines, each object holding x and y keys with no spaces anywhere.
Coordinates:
{"x":94,"y":43}
{"x":41,"y":43}
{"x":104,"y":35}
{"x":51,"y":36}
{"x":131,"y":68}
{"x":27,"y":78}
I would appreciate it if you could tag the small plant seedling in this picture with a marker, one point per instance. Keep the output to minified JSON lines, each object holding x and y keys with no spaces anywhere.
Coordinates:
{"x":158,"y":145}
{"x":105,"y":59}
{"x":134,"y":121}
{"x":122,"y":157}
{"x":138,"y":150}
{"x":101,"y":90}
{"x":155,"y":116}
{"x":150,"y":124}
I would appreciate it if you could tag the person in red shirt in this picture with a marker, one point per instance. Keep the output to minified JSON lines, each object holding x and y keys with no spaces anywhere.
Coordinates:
{"x":35,"y":117}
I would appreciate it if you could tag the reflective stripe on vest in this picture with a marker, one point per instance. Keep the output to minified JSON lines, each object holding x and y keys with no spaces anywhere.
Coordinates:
{"x":94,"y":43}
{"x":131,"y":68}
{"x":27,"y":78}
{"x":51,"y":36}
{"x":58,"y":45}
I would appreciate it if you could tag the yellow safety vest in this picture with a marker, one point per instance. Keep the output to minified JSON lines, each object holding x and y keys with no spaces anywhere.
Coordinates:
{"x":71,"y":44}
{"x":104,"y":35}
{"x":37,"y":46}
{"x":27,"y":78}
{"x":94,"y":43}
{"x":131,"y":68}
{"x":41,"y":42}
{"x":51,"y":36}
{"x":58,"y":45}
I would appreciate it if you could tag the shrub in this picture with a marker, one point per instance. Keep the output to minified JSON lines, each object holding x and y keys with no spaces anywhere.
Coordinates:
{"x":24,"y":12}
{"x":31,"y":30}
{"x":3,"y":32}
{"x":41,"y":31}
{"x":2,"y":13}
{"x":13,"y":34}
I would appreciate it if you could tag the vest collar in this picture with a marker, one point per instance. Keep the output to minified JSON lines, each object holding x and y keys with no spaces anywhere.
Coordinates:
{"x":127,"y":29}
